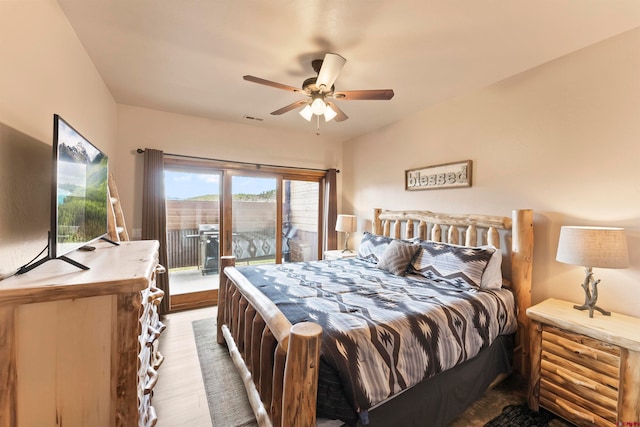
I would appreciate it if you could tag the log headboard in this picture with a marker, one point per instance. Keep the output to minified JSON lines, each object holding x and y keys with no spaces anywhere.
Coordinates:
{"x":514,"y":236}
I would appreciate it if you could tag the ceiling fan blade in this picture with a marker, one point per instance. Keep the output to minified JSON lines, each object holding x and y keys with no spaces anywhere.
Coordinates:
{"x":374,"y":94}
{"x":290,"y":107}
{"x":272,"y":84}
{"x":340,"y":115}
{"x":331,"y":66}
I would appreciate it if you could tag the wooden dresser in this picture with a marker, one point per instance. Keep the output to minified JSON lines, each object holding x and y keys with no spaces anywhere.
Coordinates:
{"x":79,"y":348}
{"x":586,"y":370}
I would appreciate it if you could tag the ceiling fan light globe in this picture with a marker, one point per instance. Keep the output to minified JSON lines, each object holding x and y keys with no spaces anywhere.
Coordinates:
{"x":318,"y":107}
{"x":329,"y":113}
{"x":307,"y":112}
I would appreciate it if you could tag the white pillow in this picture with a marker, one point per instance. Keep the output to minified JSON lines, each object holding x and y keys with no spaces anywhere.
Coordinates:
{"x":492,"y":276}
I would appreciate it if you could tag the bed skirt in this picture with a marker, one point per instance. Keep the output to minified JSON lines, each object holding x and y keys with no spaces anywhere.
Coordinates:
{"x":447,"y":395}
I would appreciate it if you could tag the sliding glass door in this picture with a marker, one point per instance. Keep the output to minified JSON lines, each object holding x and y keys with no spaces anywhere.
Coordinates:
{"x":193,"y":227}
{"x":254,"y":228}
{"x":258,"y":216}
{"x":300,"y":220}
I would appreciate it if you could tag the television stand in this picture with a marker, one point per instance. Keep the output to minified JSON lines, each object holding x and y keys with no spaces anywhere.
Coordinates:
{"x":29,"y":267}
{"x":106,"y":239}
{"x":73,"y":262}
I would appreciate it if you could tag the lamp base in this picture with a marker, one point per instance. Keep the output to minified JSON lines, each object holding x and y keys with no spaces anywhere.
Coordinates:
{"x":346,"y":243}
{"x":591,"y":308}
{"x":590,"y":286}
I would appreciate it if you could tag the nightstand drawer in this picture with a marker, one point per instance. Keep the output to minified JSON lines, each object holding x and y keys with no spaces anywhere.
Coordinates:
{"x":591,"y":353}
{"x":581,"y":415}
{"x":586,"y":396}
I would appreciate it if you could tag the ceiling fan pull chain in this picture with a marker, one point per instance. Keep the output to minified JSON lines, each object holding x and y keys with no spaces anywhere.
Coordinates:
{"x":318,"y":125}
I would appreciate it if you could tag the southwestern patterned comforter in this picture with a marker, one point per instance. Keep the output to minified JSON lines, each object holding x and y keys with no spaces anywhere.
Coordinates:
{"x":384,"y":333}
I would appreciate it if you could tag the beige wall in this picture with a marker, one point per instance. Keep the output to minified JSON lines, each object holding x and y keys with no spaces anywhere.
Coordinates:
{"x":194,"y":136}
{"x":45,"y":70}
{"x":562,"y":139}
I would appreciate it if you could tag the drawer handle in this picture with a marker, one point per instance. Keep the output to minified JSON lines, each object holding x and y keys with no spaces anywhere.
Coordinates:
{"x":156,"y":295}
{"x":161,"y":326}
{"x":152,"y":417}
{"x":153,"y":379}
{"x":158,"y":359}
{"x":575,"y":381}
{"x":580,"y":350}
{"x":587,"y":417}
{"x":153,"y":335}
{"x":160,"y":269}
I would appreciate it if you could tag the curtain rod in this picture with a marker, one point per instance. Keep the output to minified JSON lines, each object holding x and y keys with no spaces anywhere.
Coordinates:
{"x":258,"y":165}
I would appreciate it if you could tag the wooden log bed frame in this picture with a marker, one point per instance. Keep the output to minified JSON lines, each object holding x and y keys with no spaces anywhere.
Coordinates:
{"x":278,"y":361}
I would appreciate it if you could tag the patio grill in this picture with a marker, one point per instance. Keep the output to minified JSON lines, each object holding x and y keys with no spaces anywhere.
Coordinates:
{"x":209,"y":247}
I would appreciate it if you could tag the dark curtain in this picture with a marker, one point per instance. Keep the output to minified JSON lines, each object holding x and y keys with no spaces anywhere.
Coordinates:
{"x":332,"y":209}
{"x":154,"y":216}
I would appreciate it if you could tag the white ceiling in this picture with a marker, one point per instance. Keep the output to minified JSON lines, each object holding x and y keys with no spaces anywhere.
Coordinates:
{"x":189,"y":56}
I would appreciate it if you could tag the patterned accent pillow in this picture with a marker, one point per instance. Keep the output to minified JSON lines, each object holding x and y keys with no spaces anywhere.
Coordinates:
{"x":372,"y":247}
{"x":492,"y":277}
{"x":397,"y":256}
{"x":462,"y":265}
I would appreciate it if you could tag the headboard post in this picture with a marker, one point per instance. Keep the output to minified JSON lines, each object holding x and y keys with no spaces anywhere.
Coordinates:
{"x":377,"y":224}
{"x":521,"y":269}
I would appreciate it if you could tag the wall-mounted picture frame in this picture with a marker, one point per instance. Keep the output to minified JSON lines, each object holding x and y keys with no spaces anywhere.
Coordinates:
{"x":447,"y":175}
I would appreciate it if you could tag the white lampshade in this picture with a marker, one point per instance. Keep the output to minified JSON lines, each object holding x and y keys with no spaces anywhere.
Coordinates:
{"x":307,"y":112}
{"x":318,"y":106}
{"x":603,"y":247}
{"x":329,"y":113}
{"x":346,"y":223}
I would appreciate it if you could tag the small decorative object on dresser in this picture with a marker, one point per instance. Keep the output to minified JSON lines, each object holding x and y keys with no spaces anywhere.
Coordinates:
{"x":586,"y":370}
{"x":603,"y":247}
{"x":81,"y":347}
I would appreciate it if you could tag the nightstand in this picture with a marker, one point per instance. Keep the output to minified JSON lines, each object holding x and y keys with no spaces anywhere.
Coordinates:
{"x":338,"y":254}
{"x":586,"y":370}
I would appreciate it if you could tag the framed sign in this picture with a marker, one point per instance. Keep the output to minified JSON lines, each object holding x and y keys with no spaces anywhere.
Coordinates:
{"x":448,"y":175}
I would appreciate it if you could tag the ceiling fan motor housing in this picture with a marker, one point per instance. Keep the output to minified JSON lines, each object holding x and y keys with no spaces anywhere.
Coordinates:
{"x":310,"y":87}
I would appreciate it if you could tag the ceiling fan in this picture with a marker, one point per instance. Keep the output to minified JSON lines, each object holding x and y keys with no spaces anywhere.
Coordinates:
{"x":320,"y":91}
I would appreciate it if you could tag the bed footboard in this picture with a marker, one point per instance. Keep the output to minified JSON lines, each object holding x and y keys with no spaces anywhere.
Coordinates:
{"x":278,"y":362}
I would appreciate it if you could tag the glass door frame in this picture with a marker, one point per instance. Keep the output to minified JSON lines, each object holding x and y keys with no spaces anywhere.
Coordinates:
{"x":228,"y":170}
{"x":226,"y":221}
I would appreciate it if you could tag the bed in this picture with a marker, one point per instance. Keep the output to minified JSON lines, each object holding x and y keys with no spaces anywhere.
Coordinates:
{"x":294,"y":371}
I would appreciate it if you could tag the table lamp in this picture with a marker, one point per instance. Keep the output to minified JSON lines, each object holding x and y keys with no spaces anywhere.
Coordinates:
{"x":602,"y":247}
{"x":346,"y":224}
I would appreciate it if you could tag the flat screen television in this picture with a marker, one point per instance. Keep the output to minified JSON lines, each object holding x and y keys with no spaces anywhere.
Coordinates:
{"x":79,"y":195}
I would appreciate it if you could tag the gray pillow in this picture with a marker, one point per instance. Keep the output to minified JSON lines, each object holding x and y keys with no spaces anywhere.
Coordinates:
{"x":397,"y":256}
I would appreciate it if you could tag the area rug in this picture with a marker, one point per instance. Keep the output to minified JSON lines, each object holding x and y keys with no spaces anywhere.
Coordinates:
{"x":228,"y":404}
{"x":521,"y":416}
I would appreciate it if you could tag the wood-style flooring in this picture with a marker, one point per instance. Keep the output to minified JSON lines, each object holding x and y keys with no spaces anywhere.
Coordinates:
{"x":179,"y":396}
{"x":180,"y":399}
